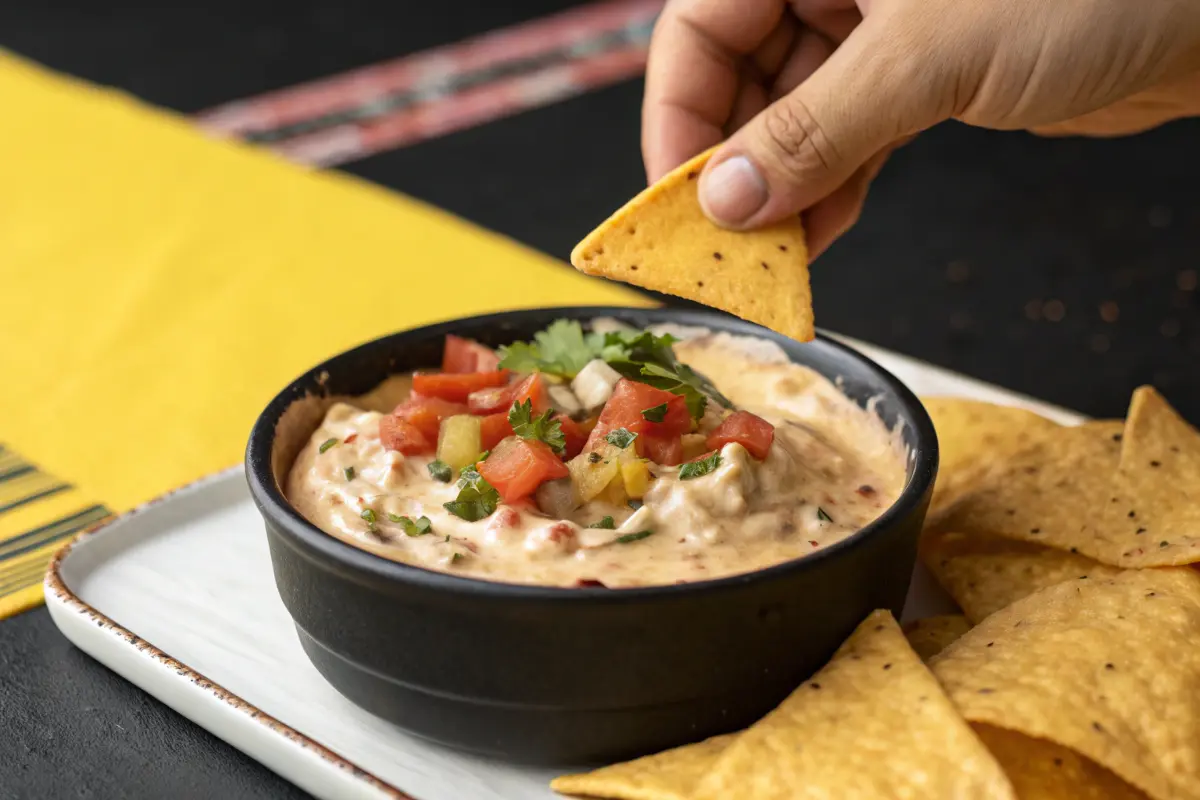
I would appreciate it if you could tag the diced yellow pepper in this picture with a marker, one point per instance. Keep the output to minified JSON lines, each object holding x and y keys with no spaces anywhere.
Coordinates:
{"x":459,"y":440}
{"x":615,"y":492}
{"x":636,"y":476}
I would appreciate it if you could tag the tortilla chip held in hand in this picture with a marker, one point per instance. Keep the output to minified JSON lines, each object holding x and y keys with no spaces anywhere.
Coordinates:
{"x":661,"y":240}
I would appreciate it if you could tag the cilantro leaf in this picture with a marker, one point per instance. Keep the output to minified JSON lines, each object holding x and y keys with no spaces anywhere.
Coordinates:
{"x":644,"y":357}
{"x":440,"y":471}
{"x":606,"y":524}
{"x":632,"y":537}
{"x":476,"y":497}
{"x":656,"y":414}
{"x":325,"y":445}
{"x":413,"y":527}
{"x":349,"y":473}
{"x":621,"y":437}
{"x":540,"y":428}
{"x":561,"y":349}
{"x":369,"y":515}
{"x":696,"y":469}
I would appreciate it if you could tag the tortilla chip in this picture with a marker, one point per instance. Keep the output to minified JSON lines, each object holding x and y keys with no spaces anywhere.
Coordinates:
{"x":1041,"y":770}
{"x":670,"y":775}
{"x":874,"y":723}
{"x":1158,"y":442}
{"x":929,"y":636}
{"x":1066,"y":492}
{"x":972,"y":436}
{"x":985,"y":573}
{"x":661,"y":240}
{"x":1107,"y":667}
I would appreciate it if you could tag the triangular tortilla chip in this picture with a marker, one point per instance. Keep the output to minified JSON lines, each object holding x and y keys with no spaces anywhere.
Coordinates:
{"x":1159,"y":443}
{"x":1107,"y":667}
{"x":670,"y":775}
{"x":873,"y":723}
{"x":931,"y":635}
{"x":973,"y":436}
{"x":661,"y":240}
{"x":985,"y":573}
{"x":1041,"y":770}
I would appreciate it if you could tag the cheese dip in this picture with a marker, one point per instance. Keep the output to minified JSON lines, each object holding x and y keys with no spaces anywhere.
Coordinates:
{"x":615,"y":458}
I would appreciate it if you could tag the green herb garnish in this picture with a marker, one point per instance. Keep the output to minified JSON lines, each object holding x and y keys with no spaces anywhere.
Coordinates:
{"x":413,"y":527}
{"x":325,"y":445}
{"x":540,"y":428}
{"x":440,"y":471}
{"x":476,"y":497}
{"x":349,"y":473}
{"x":457,"y":557}
{"x":369,"y":515}
{"x":482,"y":456}
{"x":561,"y":349}
{"x":821,"y":515}
{"x":621,"y":437}
{"x":656,"y":414}
{"x":632,"y":537}
{"x":695,"y":469}
{"x":605,"y":524}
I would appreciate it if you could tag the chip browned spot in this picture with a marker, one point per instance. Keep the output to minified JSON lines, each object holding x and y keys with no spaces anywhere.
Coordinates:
{"x":760,"y":275}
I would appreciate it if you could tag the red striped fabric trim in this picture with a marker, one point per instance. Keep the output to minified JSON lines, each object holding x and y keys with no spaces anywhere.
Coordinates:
{"x":409,"y":99}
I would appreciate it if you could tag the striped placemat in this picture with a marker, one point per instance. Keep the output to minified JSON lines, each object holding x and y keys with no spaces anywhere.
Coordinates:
{"x":333,"y":121}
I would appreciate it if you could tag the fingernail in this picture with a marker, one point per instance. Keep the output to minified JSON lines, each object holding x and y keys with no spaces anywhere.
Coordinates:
{"x":733,"y":191}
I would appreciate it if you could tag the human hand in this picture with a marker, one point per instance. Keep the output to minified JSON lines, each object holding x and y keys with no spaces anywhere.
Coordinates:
{"x":814,"y":94}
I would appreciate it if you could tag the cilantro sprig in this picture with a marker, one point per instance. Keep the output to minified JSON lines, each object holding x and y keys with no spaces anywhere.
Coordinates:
{"x":621,"y":437}
{"x":564,"y":349}
{"x":541,"y":428}
{"x":656,"y":414}
{"x":412,"y":527}
{"x":476,"y":499}
{"x":604,"y":523}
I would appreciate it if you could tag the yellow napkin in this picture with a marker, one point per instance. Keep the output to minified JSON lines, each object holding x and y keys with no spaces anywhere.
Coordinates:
{"x":158,"y":287}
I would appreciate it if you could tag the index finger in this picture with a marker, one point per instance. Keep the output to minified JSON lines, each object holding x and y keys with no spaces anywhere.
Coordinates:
{"x":692,"y":74}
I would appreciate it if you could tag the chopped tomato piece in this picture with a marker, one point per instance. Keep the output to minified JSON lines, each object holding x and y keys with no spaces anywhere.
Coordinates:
{"x":456,"y":386}
{"x":494,"y":428}
{"x":624,"y":410}
{"x":665,"y":450}
{"x":534,"y":390}
{"x":466,"y":355}
{"x":518,"y":466}
{"x":574,"y":433}
{"x":749,"y":430}
{"x":426,"y":414}
{"x":492,"y":400}
{"x":396,"y":434}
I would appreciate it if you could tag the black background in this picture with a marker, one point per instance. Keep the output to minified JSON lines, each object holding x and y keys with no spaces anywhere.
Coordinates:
{"x":967,"y":236}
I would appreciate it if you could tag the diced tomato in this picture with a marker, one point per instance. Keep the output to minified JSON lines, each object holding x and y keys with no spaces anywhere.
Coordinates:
{"x":396,"y":434}
{"x":624,"y":410}
{"x":426,"y":414}
{"x":534,"y":390}
{"x":574,"y":434}
{"x":456,"y":386}
{"x":493,"y":428}
{"x":491,"y":401}
{"x":749,"y":430}
{"x":466,"y":355}
{"x":665,"y":450}
{"x":518,"y":466}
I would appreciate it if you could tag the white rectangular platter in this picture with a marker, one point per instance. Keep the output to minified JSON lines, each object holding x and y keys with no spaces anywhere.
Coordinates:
{"x":178,"y":597}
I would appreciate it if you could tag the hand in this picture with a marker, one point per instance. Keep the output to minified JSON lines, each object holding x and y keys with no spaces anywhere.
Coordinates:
{"x":814,"y":94}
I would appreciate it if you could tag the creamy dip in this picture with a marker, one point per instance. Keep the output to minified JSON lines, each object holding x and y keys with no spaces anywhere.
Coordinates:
{"x":832,"y":468}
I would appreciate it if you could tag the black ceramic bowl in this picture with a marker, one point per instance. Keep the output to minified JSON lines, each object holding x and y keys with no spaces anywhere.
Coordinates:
{"x":554,"y":675}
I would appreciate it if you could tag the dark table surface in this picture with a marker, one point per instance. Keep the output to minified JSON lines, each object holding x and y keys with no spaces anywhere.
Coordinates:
{"x":984,"y":252}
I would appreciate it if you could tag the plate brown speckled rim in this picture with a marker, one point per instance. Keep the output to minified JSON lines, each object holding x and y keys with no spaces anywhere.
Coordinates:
{"x":56,"y":587}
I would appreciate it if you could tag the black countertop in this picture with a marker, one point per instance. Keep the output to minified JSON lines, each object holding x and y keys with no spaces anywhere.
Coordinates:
{"x":1059,"y":268}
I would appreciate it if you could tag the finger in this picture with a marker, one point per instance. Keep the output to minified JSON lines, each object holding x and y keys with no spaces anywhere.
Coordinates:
{"x":811,"y":51}
{"x":751,"y":100}
{"x":692,"y":75}
{"x":873,"y":90}
{"x":830,"y":218}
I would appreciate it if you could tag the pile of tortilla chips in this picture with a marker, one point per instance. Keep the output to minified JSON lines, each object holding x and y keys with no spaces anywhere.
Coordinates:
{"x":1072,"y":673}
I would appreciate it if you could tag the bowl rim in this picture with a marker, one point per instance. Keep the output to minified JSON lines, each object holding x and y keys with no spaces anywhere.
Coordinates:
{"x":341,"y":556}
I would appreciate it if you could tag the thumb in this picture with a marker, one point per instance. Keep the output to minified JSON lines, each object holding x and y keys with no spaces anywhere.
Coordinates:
{"x":869,"y":93}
